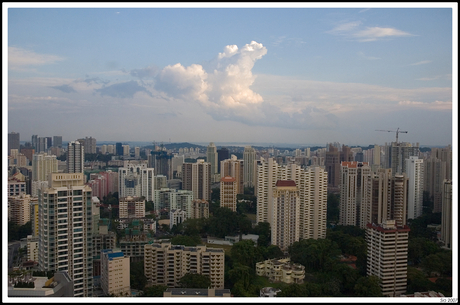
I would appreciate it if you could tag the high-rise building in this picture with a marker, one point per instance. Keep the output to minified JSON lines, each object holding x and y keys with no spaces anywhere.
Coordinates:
{"x":13,"y":141}
{"x":212,"y":158}
{"x":42,"y":145}
{"x":34,"y":141}
{"x":332,"y":164}
{"x":115,"y":273}
{"x":57,"y":141}
{"x":228,"y":191}
{"x":136,"y":180}
{"x":20,"y":207}
{"x":312,"y":185}
{"x":249,"y":167}
{"x":353,"y":192}
{"x":42,"y":165}
{"x":196,"y":177}
{"x":75,"y":157}
{"x":234,"y":168}
{"x":176,"y":217}
{"x":387,"y":199}
{"x":137,"y":152}
{"x":415,"y":173}
{"x":119,"y":149}
{"x":131,"y":207}
{"x":222,"y":154}
{"x":65,"y":230}
{"x":446,"y":214}
{"x":160,"y":160}
{"x":286,"y":214}
{"x":399,"y":152}
{"x":169,"y":199}
{"x":200,"y":209}
{"x":166,"y":264}
{"x":387,"y":246}
{"x":437,"y":168}
{"x":90,"y":145}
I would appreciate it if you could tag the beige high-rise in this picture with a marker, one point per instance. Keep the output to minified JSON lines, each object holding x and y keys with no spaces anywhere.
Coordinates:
{"x":115,"y":273}
{"x":196,"y":177}
{"x":166,"y":264}
{"x":234,"y":168}
{"x":228,"y":193}
{"x":312,"y":185}
{"x":286,"y":214}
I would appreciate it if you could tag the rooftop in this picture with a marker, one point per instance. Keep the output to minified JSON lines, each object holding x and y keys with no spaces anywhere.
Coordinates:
{"x":285,"y":183}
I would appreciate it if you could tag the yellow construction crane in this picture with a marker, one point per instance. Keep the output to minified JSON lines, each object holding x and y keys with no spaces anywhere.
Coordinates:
{"x":397,"y":132}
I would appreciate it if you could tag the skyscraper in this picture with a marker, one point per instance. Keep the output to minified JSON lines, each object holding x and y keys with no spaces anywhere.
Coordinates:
{"x":312,"y":185}
{"x":13,"y":141}
{"x":90,"y":145}
{"x":353,"y":192}
{"x":222,"y":154}
{"x":42,"y":165}
{"x":65,"y":230}
{"x":212,"y":158}
{"x":136,"y":180}
{"x":415,"y":173}
{"x":286,"y":214}
{"x":57,"y":141}
{"x":196,"y":177}
{"x":234,"y":168}
{"x":119,"y":149}
{"x":249,"y":166}
{"x":75,"y":157}
{"x":228,"y":193}
{"x":398,"y":154}
{"x":332,"y":163}
{"x":387,"y":246}
{"x":446,"y":214}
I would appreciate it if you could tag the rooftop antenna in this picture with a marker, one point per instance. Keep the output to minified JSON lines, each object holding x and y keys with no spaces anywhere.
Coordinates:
{"x":397,"y":132}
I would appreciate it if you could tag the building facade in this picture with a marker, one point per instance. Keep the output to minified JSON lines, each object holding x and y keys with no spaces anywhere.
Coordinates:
{"x":65,"y":230}
{"x":75,"y":157}
{"x":234,"y":168}
{"x":166,"y":264}
{"x":249,"y":166}
{"x":115,"y":273}
{"x":136,"y":180}
{"x":387,"y":246}
{"x":228,"y":191}
{"x":415,"y":173}
{"x":446,"y":214}
{"x":131,"y":207}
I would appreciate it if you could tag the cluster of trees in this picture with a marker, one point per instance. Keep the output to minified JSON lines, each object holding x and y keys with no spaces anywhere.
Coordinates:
{"x":16,"y":232}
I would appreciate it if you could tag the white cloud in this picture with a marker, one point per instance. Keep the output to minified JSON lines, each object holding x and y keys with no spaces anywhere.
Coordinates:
{"x":353,"y":30}
{"x":423,"y":62}
{"x":19,"y":58}
{"x":362,"y":55}
{"x":436,"y":105}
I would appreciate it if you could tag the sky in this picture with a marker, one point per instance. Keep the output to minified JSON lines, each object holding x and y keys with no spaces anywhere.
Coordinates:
{"x":281,"y":74}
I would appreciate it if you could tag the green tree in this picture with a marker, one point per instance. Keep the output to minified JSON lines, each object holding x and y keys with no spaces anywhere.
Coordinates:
{"x":241,"y":274}
{"x":263,"y":230}
{"x":293,"y":290}
{"x":368,"y":287}
{"x":314,"y":254}
{"x":194,"y":280}
{"x":137,"y":277}
{"x":273,"y":251}
{"x":417,"y":281}
{"x":190,"y":241}
{"x":244,"y":253}
{"x":154,"y":291}
{"x":333,"y":201}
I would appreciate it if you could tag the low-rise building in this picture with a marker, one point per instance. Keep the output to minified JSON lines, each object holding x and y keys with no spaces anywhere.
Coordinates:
{"x":195,"y":292}
{"x":281,"y":270}
{"x":115,"y":273}
{"x":60,"y":285}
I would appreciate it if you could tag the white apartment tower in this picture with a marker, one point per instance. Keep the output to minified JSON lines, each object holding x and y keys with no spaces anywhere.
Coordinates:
{"x":415,"y":173}
{"x":65,"y":230}
{"x":249,"y":166}
{"x":286,"y":214}
{"x":75,"y":157}
{"x":353,"y":193}
{"x":312,"y":185}
{"x":387,"y":246}
{"x":42,"y":165}
{"x":136,"y":180}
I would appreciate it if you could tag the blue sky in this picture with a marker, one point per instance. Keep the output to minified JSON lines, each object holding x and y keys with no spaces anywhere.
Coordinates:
{"x":279,"y":75}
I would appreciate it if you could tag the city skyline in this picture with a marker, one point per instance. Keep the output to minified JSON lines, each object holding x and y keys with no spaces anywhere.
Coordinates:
{"x":232,"y":74}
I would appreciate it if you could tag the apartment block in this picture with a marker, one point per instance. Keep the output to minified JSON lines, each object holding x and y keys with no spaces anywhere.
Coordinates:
{"x":415,"y":173}
{"x":176,"y":217}
{"x":312,"y":185}
{"x":131,"y":207}
{"x":136,"y":180}
{"x":234,"y":168}
{"x":166,"y":264}
{"x":387,"y":247}
{"x":446,"y":214}
{"x":115,"y":273}
{"x":249,"y":166}
{"x":228,"y":191}
{"x":170,"y":199}
{"x":20,"y":208}
{"x":196,"y":177}
{"x":200,"y":209}
{"x":353,"y":192}
{"x":65,"y":230}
